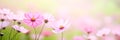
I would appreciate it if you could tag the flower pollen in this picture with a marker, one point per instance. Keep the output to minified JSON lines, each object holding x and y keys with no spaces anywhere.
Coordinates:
{"x":61,"y":27}
{"x":33,"y":19}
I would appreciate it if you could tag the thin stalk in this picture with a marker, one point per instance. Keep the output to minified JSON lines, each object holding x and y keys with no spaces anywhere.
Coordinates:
{"x":41,"y":31}
{"x":1,"y":30}
{"x":15,"y":33}
{"x":10,"y":32}
{"x":1,"y":37}
{"x":14,"y":36}
{"x":62,"y":36}
{"x":35,"y":33}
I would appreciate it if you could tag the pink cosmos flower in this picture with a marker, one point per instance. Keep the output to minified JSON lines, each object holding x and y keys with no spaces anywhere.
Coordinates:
{"x":60,"y":26}
{"x":108,"y":38}
{"x":4,"y":24}
{"x":5,"y":11}
{"x":33,"y":19}
{"x":48,"y":19}
{"x":88,"y":24}
{"x":115,"y":30}
{"x":103,"y":32}
{"x":19,"y":16}
{"x":46,"y":33}
{"x":21,"y":29}
{"x":78,"y":38}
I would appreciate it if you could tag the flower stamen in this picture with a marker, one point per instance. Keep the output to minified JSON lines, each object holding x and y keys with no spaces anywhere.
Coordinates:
{"x":33,"y":19}
{"x":61,"y":27}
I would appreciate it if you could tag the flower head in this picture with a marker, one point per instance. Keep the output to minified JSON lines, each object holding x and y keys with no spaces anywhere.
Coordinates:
{"x":103,"y":32}
{"x":5,"y":13}
{"x":19,"y":16}
{"x":4,"y":24}
{"x":33,"y":19}
{"x":60,"y":26}
{"x":48,"y":18}
{"x":20,"y":28}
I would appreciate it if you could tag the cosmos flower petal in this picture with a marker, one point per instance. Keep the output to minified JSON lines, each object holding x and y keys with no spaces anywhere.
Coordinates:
{"x":34,"y":23}
{"x":20,"y":28}
{"x":27,"y":21}
{"x":28,"y":15}
{"x":4,"y":24}
{"x":57,"y":26}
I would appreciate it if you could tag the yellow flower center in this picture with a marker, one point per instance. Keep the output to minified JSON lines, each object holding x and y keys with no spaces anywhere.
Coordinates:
{"x":61,"y":27}
{"x":33,"y":19}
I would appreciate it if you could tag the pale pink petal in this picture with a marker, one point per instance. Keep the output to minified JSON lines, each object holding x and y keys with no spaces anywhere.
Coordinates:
{"x":34,"y":24}
{"x":28,"y":15}
{"x":27,"y":21}
{"x":23,"y":30}
{"x":36,"y":16}
{"x":78,"y":38}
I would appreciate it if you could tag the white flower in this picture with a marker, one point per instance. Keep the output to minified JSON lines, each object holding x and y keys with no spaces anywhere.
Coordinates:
{"x":48,"y":19}
{"x":60,"y":26}
{"x":4,"y":24}
{"x":5,"y":12}
{"x":19,"y":16}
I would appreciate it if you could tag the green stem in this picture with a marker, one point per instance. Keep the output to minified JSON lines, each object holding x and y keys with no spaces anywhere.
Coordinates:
{"x":41,"y":31}
{"x":35,"y":33}
{"x":14,"y":36}
{"x":1,"y":37}
{"x":10,"y":32}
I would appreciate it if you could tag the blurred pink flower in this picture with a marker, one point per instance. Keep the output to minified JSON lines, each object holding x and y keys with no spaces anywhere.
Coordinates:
{"x":116,"y":30}
{"x":117,"y":37}
{"x":78,"y":38}
{"x":103,"y":32}
{"x":108,"y":38}
{"x":48,"y":19}
{"x":19,"y":16}
{"x":5,"y":13}
{"x":60,"y":26}
{"x":89,"y":30}
{"x":90,"y":37}
{"x":88,"y":24}
{"x":46,"y":33}
{"x":4,"y":24}
{"x":33,"y":19}
{"x":21,"y":29}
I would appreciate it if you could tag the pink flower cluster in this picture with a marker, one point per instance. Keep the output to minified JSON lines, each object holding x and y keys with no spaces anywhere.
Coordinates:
{"x":92,"y":29}
{"x":33,"y":20}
